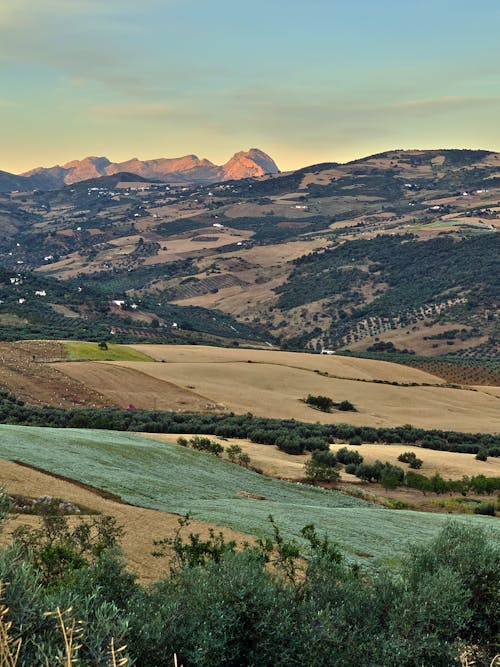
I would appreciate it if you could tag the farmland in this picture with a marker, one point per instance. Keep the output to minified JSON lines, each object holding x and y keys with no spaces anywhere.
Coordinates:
{"x":83,"y":351}
{"x":141,"y":525}
{"x":163,"y":476}
{"x":273,"y":384}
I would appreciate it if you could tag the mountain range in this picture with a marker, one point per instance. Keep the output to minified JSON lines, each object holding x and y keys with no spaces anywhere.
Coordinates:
{"x":393,"y":253}
{"x":187,"y":169}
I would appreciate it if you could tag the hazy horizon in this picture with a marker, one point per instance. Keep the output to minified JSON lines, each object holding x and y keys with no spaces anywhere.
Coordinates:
{"x":322,"y":82}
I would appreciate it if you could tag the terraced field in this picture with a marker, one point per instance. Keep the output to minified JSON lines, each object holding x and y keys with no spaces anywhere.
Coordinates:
{"x":170,"y":478}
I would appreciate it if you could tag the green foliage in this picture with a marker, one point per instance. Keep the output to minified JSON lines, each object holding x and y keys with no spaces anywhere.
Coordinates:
{"x":325,"y":457}
{"x":323,"y":403}
{"x":346,"y":406}
{"x":348,"y":456}
{"x":486,"y":509}
{"x":164,"y":476}
{"x":278,"y":602}
{"x":103,"y":352}
{"x":388,"y":475}
{"x":203,"y":444}
{"x":320,"y":472}
{"x":236,"y":455}
{"x":193,"y":552}
{"x":56,"y":549}
{"x":411,"y":459}
{"x":298,"y":435}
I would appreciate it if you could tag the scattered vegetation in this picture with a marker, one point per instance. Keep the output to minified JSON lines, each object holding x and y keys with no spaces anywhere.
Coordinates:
{"x":289,"y":435}
{"x":411,"y":459}
{"x":325,"y":404}
{"x":274,"y":602}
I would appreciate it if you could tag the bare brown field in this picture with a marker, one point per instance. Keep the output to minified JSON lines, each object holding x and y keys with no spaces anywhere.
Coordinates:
{"x":142,"y":526}
{"x":39,"y":383}
{"x":274,"y":384}
{"x":125,"y":386}
{"x":345,"y":367}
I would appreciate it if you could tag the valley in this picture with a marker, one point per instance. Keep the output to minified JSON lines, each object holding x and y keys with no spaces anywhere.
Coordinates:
{"x":395,"y":248}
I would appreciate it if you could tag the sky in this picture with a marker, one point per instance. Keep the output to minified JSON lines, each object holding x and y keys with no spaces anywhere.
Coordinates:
{"x":305,"y":81}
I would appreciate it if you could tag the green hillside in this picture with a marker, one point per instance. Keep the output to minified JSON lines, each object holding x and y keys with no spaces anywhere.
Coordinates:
{"x":170,"y":478}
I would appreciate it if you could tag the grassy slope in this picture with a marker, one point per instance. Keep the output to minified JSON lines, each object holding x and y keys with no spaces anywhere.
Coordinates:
{"x":81,"y":351}
{"x":168,"y":477}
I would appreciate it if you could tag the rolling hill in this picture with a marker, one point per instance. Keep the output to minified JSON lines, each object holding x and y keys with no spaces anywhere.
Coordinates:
{"x":159,"y":475}
{"x":397,"y":251}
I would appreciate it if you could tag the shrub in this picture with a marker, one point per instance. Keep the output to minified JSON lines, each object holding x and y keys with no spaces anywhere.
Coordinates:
{"x":411,"y":459}
{"x":355,"y":441}
{"x":346,"y":406}
{"x":323,"y":403}
{"x":347,"y":456}
{"x":326,"y":458}
{"x":482,"y":455}
{"x":488,"y":509}
{"x":232,"y":452}
{"x":206,"y":445}
{"x":320,"y":472}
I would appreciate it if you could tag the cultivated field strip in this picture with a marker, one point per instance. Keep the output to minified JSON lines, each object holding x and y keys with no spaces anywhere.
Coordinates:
{"x":170,"y":478}
{"x":270,"y":390}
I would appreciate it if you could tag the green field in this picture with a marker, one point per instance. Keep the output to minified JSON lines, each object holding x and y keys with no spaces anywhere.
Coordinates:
{"x":174,"y":479}
{"x":81,"y":351}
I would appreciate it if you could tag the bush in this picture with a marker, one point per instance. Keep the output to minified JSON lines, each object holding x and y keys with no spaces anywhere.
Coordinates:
{"x":411,"y":459}
{"x":206,"y":445}
{"x":356,"y":441}
{"x":482,"y":455}
{"x":346,"y":406}
{"x":488,"y":509}
{"x":323,"y":403}
{"x":326,"y":458}
{"x":347,"y":456}
{"x":320,"y":472}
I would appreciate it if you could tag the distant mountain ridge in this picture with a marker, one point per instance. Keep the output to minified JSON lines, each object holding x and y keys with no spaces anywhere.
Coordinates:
{"x":189,"y":169}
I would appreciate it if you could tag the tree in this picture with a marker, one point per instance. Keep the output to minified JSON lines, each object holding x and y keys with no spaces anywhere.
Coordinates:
{"x":233,"y":451}
{"x":323,"y":403}
{"x":346,"y":406}
{"x":411,"y":459}
{"x":319,"y":472}
{"x":389,"y":479}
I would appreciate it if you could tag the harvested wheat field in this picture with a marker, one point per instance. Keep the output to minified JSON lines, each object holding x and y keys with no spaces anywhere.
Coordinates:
{"x":141,"y":525}
{"x":274,"y":384}
{"x":345,"y":367}
{"x":450,"y":465}
{"x":129,"y":386}
{"x":266,"y":458}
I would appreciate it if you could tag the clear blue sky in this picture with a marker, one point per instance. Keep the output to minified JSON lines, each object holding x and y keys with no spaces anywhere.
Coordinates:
{"x":308,"y":81}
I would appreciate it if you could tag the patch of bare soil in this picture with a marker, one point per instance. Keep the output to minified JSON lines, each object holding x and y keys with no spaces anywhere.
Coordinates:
{"x":126,"y":386}
{"x":141,"y":526}
{"x":24,"y":372}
